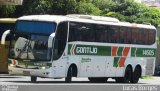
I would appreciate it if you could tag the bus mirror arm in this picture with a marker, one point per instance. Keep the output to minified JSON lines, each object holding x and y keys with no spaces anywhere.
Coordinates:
{"x":50,"y":40}
{"x":4,"y":36}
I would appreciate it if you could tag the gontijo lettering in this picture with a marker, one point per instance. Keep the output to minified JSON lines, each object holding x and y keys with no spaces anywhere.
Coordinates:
{"x":86,"y":50}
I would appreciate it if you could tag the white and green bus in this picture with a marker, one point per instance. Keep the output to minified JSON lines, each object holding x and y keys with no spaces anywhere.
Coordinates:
{"x":96,"y":47}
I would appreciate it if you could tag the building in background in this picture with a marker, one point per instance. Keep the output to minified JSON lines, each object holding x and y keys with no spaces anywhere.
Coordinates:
{"x":11,"y":2}
{"x":151,"y":3}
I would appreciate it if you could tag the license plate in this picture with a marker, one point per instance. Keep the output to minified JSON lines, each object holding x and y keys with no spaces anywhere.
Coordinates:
{"x":26,"y":73}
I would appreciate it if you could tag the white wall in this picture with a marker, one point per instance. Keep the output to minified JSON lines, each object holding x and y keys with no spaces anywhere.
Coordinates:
{"x":11,"y":2}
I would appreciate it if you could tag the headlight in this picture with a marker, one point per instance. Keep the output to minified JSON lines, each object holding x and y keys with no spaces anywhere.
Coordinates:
{"x":43,"y":67}
{"x":11,"y":65}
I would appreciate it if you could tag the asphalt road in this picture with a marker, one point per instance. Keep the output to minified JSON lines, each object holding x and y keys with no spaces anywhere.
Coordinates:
{"x":25,"y":80}
{"x":22,"y":83}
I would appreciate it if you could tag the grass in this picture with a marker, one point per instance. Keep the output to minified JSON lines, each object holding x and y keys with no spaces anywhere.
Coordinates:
{"x":147,"y":77}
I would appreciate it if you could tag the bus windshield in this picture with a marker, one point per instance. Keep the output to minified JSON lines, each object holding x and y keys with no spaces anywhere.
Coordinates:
{"x":30,"y":41}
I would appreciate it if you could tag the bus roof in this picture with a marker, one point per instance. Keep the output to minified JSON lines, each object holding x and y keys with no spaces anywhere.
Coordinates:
{"x":8,"y":20}
{"x":75,"y":18}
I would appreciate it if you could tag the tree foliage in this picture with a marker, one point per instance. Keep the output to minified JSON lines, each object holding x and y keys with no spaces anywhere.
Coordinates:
{"x":124,"y":10}
{"x":88,"y":8}
{"x":6,"y":11}
{"x":130,"y":11}
{"x":34,"y":7}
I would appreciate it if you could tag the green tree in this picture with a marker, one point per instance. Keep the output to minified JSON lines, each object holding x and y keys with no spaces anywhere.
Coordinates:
{"x":7,"y":11}
{"x":64,"y":7}
{"x":130,"y":11}
{"x":124,"y":10}
{"x":104,"y":5}
{"x":34,"y":7}
{"x":88,"y":8}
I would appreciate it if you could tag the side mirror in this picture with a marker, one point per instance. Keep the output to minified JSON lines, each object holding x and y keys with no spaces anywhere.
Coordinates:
{"x":50,"y":40}
{"x":4,"y":35}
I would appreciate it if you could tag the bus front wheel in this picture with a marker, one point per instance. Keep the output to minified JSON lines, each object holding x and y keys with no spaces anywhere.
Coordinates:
{"x":33,"y":79}
{"x":68,"y":79}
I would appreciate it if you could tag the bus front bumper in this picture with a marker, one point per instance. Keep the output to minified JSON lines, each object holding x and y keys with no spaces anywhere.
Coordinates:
{"x":30,"y":72}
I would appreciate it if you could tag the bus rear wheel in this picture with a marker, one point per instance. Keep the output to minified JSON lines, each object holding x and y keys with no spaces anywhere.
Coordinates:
{"x":33,"y":79}
{"x":98,"y":79}
{"x":127,"y":76}
{"x":136,"y":75}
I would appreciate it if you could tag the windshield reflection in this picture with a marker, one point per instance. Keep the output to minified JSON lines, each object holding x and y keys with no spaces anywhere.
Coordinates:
{"x":33,"y":47}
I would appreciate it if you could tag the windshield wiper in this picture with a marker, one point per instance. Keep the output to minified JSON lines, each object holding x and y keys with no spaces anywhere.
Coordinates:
{"x":27,"y":47}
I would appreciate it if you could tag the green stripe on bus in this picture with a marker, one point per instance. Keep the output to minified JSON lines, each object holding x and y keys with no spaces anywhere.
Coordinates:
{"x":116,"y":59}
{"x":133,"y":52}
{"x":143,"y":52}
{"x":120,"y":50}
{"x":106,"y":51}
{"x":92,"y":50}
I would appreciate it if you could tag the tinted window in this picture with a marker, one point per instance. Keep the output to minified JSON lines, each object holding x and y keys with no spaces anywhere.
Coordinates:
{"x":60,"y":40}
{"x":36,"y":27}
{"x":151,"y":36}
{"x":113,"y":34}
{"x":123,"y":35}
{"x":144,"y":36}
{"x":110,"y":34}
{"x":101,"y":33}
{"x":135,"y":36}
{"x":81,"y":32}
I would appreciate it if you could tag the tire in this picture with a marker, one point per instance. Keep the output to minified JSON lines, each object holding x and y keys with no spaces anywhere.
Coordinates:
{"x":33,"y":79}
{"x":68,"y":79}
{"x":136,"y":75}
{"x":127,"y":76}
{"x":98,"y":79}
{"x":119,"y":80}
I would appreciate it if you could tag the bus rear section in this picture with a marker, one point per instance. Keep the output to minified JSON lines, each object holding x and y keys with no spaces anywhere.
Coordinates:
{"x":5,"y":24}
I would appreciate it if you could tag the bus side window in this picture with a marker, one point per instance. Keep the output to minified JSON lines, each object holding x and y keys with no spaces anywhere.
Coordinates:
{"x":101,"y":33}
{"x":128,"y":36}
{"x":114,"y":31}
{"x":144,"y":36}
{"x":151,"y":36}
{"x":87,"y":33}
{"x":123,"y":35}
{"x":74,"y":34}
{"x":60,"y":40}
{"x":135,"y":36}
